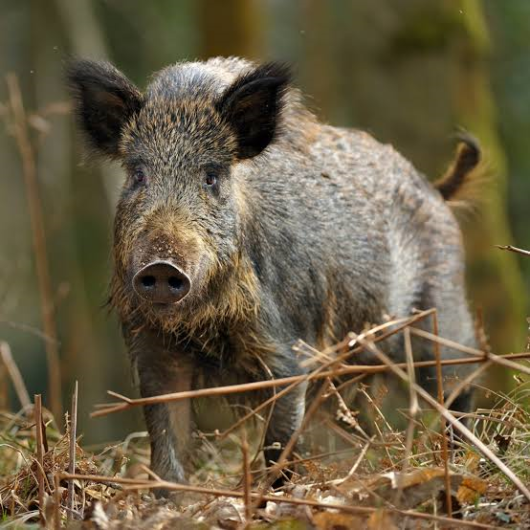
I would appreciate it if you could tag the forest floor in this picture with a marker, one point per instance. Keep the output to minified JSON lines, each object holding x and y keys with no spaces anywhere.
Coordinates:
{"x":343,"y":476}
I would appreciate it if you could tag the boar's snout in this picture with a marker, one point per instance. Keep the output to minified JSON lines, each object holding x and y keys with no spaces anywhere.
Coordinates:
{"x":160,"y":282}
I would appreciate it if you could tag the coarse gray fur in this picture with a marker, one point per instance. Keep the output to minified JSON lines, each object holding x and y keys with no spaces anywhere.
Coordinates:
{"x":312,"y":231}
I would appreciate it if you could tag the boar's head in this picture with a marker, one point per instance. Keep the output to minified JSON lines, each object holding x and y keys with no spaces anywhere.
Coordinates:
{"x":178,"y":222}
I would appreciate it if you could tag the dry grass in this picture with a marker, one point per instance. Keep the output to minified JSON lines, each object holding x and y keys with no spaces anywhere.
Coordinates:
{"x":344,"y":479}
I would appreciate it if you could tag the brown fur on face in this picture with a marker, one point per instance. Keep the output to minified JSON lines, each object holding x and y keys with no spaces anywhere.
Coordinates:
{"x":226,"y":291}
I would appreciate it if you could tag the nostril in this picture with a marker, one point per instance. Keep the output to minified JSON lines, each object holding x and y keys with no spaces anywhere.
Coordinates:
{"x":160,"y":282}
{"x":175,"y":283}
{"x":148,"y":281}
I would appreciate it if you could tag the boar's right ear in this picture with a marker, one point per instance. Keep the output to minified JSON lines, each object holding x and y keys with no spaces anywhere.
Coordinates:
{"x":105,"y":100}
{"x":252,"y":106}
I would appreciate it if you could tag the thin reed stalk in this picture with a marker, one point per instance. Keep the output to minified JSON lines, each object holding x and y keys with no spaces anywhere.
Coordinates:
{"x":37,"y":413}
{"x":29,"y":172}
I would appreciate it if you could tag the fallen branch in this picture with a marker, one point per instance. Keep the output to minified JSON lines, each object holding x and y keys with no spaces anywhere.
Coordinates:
{"x":127,"y":403}
{"x":481,"y":356}
{"x":133,"y":484}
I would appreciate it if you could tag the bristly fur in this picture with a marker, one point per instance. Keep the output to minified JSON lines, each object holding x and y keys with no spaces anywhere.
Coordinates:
{"x":468,"y":156}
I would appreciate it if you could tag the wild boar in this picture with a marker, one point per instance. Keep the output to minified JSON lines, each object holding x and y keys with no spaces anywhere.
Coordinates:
{"x":245,"y":225}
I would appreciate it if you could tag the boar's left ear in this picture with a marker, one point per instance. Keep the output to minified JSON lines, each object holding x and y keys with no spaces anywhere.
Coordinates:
{"x":105,"y":100}
{"x":252,"y":106}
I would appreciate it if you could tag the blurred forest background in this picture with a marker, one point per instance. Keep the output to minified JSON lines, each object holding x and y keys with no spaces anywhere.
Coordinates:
{"x":409,"y":72}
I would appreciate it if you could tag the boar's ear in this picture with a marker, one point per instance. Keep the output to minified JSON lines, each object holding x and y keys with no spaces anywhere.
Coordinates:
{"x":105,"y":100}
{"x":252,"y":106}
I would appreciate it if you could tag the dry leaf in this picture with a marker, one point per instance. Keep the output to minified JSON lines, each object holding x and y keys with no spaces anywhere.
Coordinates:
{"x":418,"y":486}
{"x":472,"y":460}
{"x":471,"y":490}
{"x":337,"y":521}
{"x":381,"y":520}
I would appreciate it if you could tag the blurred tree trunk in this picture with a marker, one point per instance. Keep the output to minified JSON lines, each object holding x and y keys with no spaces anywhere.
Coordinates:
{"x":509,"y":22}
{"x":231,"y":27}
{"x":319,"y":67}
{"x":17,"y":274}
{"x":416,"y":71}
{"x":82,"y":347}
{"x":494,"y":276}
{"x":85,"y":38}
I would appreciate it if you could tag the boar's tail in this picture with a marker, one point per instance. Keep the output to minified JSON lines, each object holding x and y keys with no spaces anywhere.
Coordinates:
{"x":468,"y":156}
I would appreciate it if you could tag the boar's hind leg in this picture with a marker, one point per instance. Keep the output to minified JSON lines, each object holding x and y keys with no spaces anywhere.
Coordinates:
{"x":286,"y":418}
{"x":169,"y":424}
{"x":454,"y":323}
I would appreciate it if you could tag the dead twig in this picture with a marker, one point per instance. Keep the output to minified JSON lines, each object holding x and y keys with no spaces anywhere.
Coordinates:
{"x":14,"y":374}
{"x":414,"y":409}
{"x":72,"y":448}
{"x":514,"y":249}
{"x":257,"y":409}
{"x":355,"y":465}
{"x":57,"y":501}
{"x":466,"y":382}
{"x":109,"y":408}
{"x":440,"y":389}
{"x":276,"y":469}
{"x":37,"y":412}
{"x":27,"y":329}
{"x":346,"y":415}
{"x":481,"y":356}
{"x":29,"y":171}
{"x":4,"y":387}
{"x":378,"y":414}
{"x":247,"y":482}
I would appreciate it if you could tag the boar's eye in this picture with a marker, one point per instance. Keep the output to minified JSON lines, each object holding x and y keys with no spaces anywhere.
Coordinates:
{"x":211,"y":178}
{"x":139,"y":176}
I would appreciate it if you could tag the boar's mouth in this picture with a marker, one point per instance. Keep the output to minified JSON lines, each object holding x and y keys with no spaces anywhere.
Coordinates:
{"x":161,"y":283}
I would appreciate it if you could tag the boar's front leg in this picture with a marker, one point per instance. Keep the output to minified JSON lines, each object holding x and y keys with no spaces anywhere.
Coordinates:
{"x":287,"y":416}
{"x":169,"y":424}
